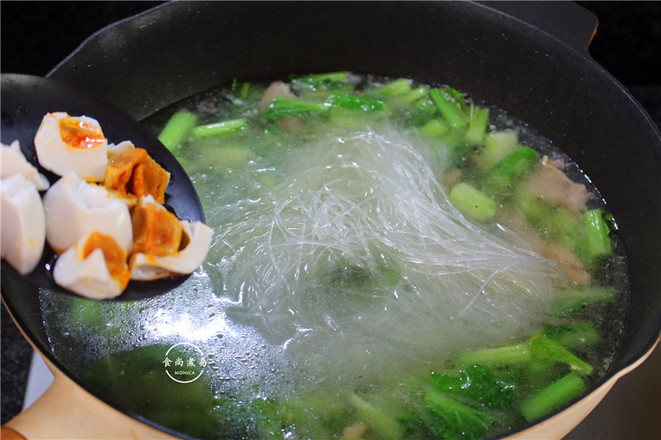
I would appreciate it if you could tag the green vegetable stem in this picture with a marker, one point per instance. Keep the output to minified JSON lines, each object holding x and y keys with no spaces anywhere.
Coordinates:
{"x":544,"y":347}
{"x":552,"y":397}
{"x":449,"y":107}
{"x":477,"y":126}
{"x":573,"y":336}
{"x":497,"y":356}
{"x":379,"y":421}
{"x":221,"y":128}
{"x":176,"y":129}
{"x":401,"y":86}
{"x":503,"y":174}
{"x":287,"y":106}
{"x":577,"y":299}
{"x":473,"y":203}
{"x":317,"y":78}
{"x":450,"y":418}
{"x":596,"y":242}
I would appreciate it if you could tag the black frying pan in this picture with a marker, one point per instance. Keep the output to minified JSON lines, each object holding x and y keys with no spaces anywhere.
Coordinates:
{"x":182,"y":48}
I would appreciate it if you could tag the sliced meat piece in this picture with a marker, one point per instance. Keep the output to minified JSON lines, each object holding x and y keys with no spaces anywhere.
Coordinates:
{"x":570,"y":264}
{"x":549,"y":182}
{"x":291,"y":124}
{"x":276,"y":88}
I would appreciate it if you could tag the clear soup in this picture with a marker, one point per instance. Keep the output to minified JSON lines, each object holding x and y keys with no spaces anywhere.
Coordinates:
{"x":390,"y":260}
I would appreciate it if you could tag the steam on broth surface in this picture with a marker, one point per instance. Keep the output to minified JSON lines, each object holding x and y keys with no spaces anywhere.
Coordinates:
{"x":380,"y":245}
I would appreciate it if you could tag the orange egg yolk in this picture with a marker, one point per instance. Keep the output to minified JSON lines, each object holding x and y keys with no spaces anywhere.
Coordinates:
{"x":156,"y":231}
{"x":113,"y":253}
{"x":80,"y":134}
{"x":135,"y":173}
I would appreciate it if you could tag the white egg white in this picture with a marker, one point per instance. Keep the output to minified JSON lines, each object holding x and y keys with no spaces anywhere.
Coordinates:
{"x":116,"y":150}
{"x":88,"y":277}
{"x":23,"y":223}
{"x":60,"y":157}
{"x":12,"y":161}
{"x":74,"y":208}
{"x":146,"y":267}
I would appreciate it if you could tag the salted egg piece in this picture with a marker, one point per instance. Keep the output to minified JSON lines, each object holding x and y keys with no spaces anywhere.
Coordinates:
{"x":12,"y":161}
{"x":133,"y":173}
{"x":190,"y":254}
{"x":94,"y":267}
{"x":67,"y":143}
{"x":74,"y":208}
{"x":23,"y":223}
{"x":146,"y":267}
{"x":115,"y":150}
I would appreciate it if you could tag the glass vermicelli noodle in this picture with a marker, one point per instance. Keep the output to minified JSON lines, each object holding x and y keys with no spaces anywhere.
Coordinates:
{"x":369,"y":202}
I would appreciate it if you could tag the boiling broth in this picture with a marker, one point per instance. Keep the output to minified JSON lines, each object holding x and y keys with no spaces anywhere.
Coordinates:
{"x":346,"y":277}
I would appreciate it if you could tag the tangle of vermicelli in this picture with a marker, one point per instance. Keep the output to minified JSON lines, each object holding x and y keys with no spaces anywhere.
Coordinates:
{"x":359,"y":250}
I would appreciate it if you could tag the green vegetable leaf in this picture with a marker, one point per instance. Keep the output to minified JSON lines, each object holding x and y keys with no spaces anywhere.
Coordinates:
{"x":355,"y":102}
{"x":478,"y":383}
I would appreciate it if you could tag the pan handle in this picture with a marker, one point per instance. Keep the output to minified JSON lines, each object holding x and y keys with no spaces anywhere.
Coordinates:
{"x":66,"y":410}
{"x":7,"y":433}
{"x":564,"y":20}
